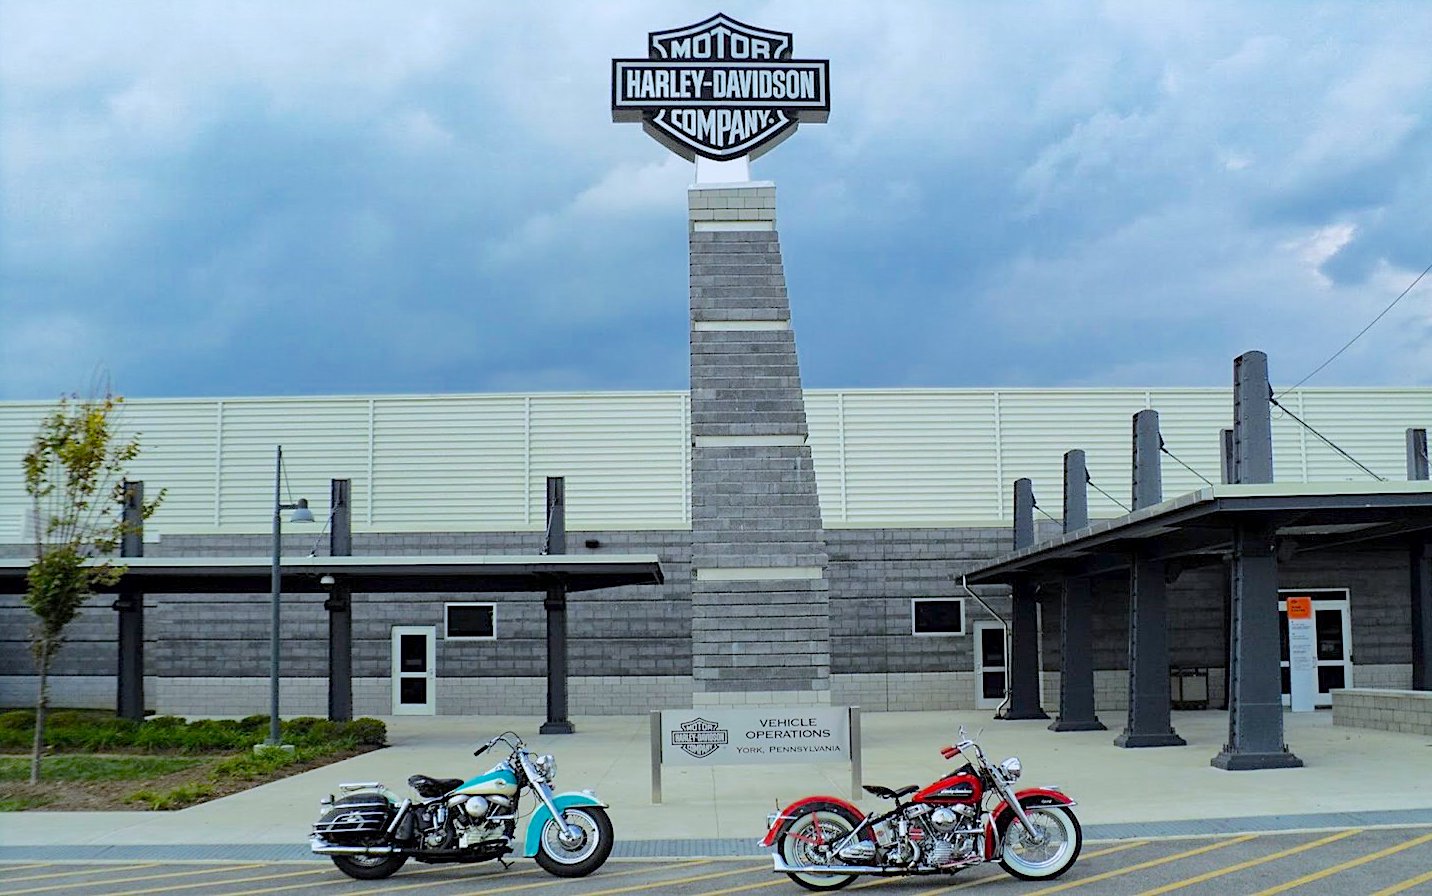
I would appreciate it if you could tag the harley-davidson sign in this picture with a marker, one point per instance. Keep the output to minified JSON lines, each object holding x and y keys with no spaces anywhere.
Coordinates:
{"x":720,"y":89}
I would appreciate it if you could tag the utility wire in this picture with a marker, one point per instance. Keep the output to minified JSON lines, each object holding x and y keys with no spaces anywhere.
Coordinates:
{"x":1047,"y":513}
{"x":1329,"y":441}
{"x":1164,"y":449}
{"x":1090,"y":479}
{"x":1359,"y":335}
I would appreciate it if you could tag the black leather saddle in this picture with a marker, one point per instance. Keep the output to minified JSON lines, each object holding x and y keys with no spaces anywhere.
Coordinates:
{"x":431,"y":787}
{"x":885,"y":793}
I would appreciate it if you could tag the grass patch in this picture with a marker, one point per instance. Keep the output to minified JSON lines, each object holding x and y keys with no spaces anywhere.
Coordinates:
{"x":162,"y":763}
{"x":94,"y":768}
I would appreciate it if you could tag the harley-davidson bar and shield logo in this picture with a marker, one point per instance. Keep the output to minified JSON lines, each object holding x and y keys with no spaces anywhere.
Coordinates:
{"x":699,"y":737}
{"x":720,"y":88}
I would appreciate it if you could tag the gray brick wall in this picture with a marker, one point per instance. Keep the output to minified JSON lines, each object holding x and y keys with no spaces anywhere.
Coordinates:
{"x":753,"y":507}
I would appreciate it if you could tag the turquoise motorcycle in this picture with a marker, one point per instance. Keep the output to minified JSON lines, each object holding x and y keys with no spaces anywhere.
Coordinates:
{"x":370,"y":832}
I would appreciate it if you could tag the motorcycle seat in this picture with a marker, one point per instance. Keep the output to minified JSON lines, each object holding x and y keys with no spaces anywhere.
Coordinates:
{"x":885,"y":793}
{"x":431,"y":787}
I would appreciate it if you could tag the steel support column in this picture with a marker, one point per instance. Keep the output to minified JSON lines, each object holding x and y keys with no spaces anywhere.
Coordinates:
{"x":1150,"y":722}
{"x":340,"y":606}
{"x":129,"y":684}
{"x":1255,"y":703}
{"x":1024,"y":619}
{"x":1419,"y":562}
{"x":1076,"y":628}
{"x":556,"y":606}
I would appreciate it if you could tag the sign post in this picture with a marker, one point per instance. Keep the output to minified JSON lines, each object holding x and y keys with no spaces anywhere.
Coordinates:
{"x":1302,"y":654}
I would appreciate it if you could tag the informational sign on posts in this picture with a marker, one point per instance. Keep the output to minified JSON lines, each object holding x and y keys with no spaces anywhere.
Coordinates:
{"x":755,"y":736}
{"x":1302,"y":654}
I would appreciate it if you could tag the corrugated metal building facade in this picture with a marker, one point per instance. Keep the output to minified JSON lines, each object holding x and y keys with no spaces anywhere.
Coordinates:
{"x":913,"y":485}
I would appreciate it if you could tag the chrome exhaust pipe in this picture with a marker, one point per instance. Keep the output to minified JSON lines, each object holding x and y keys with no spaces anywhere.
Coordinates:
{"x":781,"y":865}
{"x":323,"y":847}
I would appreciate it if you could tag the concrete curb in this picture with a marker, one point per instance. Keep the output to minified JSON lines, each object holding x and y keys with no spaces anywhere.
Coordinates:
{"x":718,"y":847}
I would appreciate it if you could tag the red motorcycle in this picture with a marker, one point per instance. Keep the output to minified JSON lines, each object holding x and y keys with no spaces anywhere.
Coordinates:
{"x":971,"y":816}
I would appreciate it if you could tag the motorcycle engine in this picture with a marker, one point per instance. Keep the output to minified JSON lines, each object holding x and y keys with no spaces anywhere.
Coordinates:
{"x":948,"y":845}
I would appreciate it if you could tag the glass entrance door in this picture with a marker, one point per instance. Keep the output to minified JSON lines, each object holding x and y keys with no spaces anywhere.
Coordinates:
{"x":1333,"y":625}
{"x":414,"y":670}
{"x":991,"y":667}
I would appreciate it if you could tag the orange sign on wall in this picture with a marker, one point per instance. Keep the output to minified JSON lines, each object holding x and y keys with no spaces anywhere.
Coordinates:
{"x":1300,"y":608}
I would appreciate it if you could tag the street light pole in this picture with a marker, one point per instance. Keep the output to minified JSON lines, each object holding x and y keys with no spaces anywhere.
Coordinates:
{"x":301,"y":515}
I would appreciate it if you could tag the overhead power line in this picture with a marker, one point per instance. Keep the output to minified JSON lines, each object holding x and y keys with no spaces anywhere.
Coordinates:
{"x":1359,"y":333}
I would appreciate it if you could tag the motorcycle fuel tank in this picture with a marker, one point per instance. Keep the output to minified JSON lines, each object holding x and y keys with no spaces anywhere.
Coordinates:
{"x":961,"y":787}
{"x":499,"y":780}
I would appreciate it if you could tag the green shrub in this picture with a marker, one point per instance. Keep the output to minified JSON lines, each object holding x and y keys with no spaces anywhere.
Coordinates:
{"x":177,"y":798}
{"x":368,"y":732}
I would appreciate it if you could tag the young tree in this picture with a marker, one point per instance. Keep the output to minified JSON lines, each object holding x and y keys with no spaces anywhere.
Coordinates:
{"x":73,"y":476}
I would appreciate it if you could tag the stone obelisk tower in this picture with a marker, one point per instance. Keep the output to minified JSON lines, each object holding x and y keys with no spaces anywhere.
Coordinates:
{"x":720,"y":92}
{"x":759,"y":596}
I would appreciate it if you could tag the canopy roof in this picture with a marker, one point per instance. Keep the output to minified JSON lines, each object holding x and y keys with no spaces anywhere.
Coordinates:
{"x":252,"y":575}
{"x":1198,"y":527}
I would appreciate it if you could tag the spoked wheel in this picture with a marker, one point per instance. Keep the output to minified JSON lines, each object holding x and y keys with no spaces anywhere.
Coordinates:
{"x":580,"y":854}
{"x":810,"y":839}
{"x":1055,"y":851}
{"x":369,"y":867}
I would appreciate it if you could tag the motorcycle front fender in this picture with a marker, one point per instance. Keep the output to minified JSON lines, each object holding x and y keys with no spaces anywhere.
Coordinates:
{"x":1029,"y":797}
{"x":563,"y":802}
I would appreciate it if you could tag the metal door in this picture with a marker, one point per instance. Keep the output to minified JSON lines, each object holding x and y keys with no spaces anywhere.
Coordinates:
{"x":414,"y":670}
{"x":1333,"y":624}
{"x":991,"y":665}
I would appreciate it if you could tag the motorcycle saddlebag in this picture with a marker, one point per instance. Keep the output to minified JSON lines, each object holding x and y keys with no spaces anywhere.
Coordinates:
{"x":358,"y":815}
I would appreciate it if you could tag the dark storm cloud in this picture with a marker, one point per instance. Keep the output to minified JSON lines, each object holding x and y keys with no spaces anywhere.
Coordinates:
{"x":327,"y":198}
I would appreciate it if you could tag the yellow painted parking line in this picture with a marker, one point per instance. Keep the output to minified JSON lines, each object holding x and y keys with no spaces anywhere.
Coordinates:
{"x":1109,"y":850}
{"x":213,"y":883}
{"x":1151,"y":863}
{"x":1241,"y":866}
{"x":1329,"y":872}
{"x":340,"y":878}
{"x":612,"y":892}
{"x":1405,"y":885}
{"x":90,"y":870}
{"x":135,"y":880}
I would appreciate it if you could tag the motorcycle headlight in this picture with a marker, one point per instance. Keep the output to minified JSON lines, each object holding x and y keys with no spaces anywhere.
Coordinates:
{"x":1011,"y":769}
{"x":546,"y":767}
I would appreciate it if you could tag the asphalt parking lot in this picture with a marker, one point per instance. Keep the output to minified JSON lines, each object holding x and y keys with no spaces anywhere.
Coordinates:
{"x":1343,"y":862}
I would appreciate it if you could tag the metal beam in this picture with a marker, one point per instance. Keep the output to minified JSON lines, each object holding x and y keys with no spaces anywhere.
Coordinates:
{"x":1076,"y":626}
{"x":1149,"y":720}
{"x":1255,"y":703}
{"x":1024,"y":619}
{"x":129,"y":683}
{"x":1419,"y":563}
{"x":556,"y":606}
{"x":340,"y":605}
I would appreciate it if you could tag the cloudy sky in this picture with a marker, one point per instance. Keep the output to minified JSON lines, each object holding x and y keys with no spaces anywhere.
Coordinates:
{"x":314,"y":197}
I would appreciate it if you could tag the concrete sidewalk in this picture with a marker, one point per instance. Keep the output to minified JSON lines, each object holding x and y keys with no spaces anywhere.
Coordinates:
{"x":1351,"y":777}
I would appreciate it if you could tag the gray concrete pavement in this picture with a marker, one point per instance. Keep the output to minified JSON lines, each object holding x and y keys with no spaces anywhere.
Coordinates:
{"x":1351,"y":777}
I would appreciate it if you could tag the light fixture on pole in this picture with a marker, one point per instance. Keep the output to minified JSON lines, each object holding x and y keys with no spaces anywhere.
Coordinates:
{"x":301,"y":514}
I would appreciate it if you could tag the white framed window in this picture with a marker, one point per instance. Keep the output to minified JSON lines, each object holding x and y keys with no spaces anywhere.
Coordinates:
{"x":470,"y":622}
{"x":937,"y":616}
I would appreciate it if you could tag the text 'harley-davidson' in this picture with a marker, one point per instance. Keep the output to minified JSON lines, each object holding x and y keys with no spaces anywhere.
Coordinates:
{"x":369,"y":832}
{"x":971,"y":816}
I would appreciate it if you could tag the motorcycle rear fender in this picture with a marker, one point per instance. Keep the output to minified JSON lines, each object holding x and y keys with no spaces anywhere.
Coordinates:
{"x":785,"y":814}
{"x":563,"y":802}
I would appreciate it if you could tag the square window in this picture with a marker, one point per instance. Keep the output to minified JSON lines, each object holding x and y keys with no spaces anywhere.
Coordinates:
{"x":937,"y":616}
{"x":471,"y":622}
